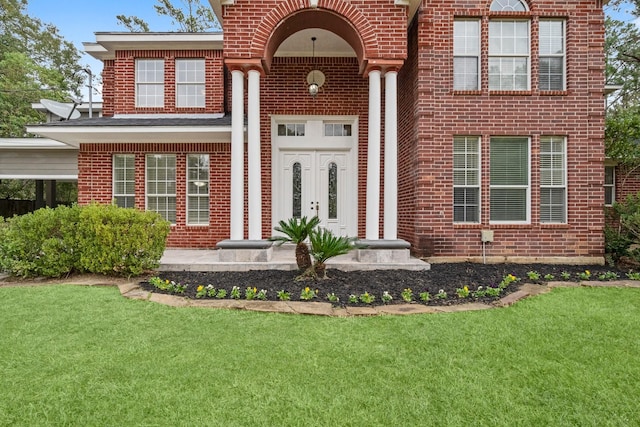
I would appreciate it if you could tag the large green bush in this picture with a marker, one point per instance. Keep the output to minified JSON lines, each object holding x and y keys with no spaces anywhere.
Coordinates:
{"x":101,"y":239}
{"x":120,"y":241}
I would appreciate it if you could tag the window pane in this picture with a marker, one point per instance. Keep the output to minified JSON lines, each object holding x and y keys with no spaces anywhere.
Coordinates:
{"x":161,"y":185}
{"x":551,"y":37}
{"x":466,"y":179}
{"x":333,"y":191}
{"x":551,"y":73}
{"x":552,"y":205}
{"x":123,"y":180}
{"x":198,"y":189}
{"x":465,"y":73}
{"x":508,"y":6}
{"x":508,"y":204}
{"x":297,"y":190}
{"x":509,"y":161}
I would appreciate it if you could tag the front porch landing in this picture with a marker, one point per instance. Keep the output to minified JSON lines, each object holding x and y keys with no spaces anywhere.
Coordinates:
{"x":283,"y":258}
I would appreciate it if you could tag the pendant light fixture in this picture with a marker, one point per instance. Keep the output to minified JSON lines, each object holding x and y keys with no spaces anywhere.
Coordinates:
{"x":313,"y":86}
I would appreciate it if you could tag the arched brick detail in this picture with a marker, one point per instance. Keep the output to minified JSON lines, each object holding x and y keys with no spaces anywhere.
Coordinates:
{"x":291,"y":16}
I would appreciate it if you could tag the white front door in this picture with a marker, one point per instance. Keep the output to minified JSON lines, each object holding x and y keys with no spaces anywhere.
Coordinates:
{"x":315,"y":176}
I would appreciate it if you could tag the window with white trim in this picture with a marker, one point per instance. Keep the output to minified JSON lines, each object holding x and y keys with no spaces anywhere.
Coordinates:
{"x":124,"y":180}
{"x":161,"y":185}
{"x":190,"y":88}
{"x":466,"y":54}
{"x":552,"y":54}
{"x":509,"y":197}
{"x":553,"y":180}
{"x":509,"y":54}
{"x":149,"y":83}
{"x":198,"y":189}
{"x":466,"y":179}
{"x":508,"y":6}
{"x":291,"y":129}
{"x":609,"y":185}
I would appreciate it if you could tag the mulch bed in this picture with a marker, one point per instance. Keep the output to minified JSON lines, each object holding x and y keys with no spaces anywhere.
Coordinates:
{"x":445,"y":277}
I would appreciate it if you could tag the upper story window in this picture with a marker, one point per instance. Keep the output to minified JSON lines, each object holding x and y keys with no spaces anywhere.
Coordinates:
{"x":508,"y":54}
{"x":508,"y":6}
{"x":552,"y":54}
{"x":190,"y":87}
{"x":466,"y":54}
{"x":149,"y":83}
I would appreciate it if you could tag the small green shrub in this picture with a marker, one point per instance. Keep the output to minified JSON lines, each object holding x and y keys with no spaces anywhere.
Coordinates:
{"x":40,"y":243}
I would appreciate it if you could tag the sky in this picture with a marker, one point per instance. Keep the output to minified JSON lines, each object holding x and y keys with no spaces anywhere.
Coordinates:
{"x":77,"y":20}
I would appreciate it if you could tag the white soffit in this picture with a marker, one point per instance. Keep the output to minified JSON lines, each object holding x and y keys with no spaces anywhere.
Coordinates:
{"x":76,"y":135}
{"x":108,"y":43}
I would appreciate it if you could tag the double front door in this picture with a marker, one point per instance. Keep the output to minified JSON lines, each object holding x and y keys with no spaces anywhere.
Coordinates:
{"x":317,"y":180}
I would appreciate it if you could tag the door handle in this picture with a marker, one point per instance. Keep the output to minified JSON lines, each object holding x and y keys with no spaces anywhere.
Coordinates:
{"x":317,"y":207}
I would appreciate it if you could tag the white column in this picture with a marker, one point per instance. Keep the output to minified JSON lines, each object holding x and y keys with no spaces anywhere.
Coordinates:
{"x":237,"y":155}
{"x":373,"y":159}
{"x":391,"y":156}
{"x":253,"y":159}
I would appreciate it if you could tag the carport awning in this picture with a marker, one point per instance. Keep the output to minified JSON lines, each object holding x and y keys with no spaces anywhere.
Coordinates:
{"x":137,"y":130}
{"x":37,"y":158}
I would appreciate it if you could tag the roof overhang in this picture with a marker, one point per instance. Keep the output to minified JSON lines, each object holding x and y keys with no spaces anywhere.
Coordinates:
{"x":76,"y":135}
{"x":107,"y":43}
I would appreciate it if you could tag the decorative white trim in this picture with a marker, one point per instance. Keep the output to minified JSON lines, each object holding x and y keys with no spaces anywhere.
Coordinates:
{"x":253,"y":156}
{"x":170,"y":116}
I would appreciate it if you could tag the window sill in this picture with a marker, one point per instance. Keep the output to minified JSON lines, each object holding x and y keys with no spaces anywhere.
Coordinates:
{"x":510,"y":92}
{"x":554,"y":92}
{"x":467,"y":92}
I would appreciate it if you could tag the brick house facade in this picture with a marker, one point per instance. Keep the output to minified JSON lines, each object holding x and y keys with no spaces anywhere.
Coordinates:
{"x":439,"y":123}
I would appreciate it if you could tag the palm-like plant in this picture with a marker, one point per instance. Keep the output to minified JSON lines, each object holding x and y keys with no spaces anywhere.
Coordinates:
{"x":296,"y":230}
{"x":326,"y":245}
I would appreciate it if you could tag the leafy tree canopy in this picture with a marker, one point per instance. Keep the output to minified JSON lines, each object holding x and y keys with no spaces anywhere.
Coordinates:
{"x":35,"y":62}
{"x":622,"y":48}
{"x":192,"y":17}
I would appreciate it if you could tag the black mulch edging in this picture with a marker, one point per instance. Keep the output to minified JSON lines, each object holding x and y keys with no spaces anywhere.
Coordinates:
{"x":445,"y":277}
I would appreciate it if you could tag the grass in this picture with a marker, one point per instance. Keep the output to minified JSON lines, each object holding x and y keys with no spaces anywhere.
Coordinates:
{"x":86,"y":356}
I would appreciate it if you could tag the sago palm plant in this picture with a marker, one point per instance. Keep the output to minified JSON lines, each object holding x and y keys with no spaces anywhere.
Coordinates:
{"x":324,"y":246}
{"x":296,"y":230}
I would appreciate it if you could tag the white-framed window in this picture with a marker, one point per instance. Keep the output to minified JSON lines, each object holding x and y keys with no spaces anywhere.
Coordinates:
{"x":509,"y":54}
{"x":466,"y":54}
{"x":124,"y":180}
{"x":291,"y":129}
{"x":161,"y":185}
{"x":553,"y":180}
{"x":337,"y":129}
{"x":609,"y":185}
{"x":508,"y":6}
{"x":198,"y":189}
{"x":510,"y":194}
{"x":552,"y":54}
{"x":149,"y":83}
{"x":190,"y":88}
{"x":466,"y":179}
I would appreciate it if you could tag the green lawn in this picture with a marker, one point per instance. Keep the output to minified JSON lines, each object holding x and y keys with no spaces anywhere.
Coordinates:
{"x":86,"y":356}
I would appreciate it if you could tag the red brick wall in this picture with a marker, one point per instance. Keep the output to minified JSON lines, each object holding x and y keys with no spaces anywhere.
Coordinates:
{"x":95,"y":179}
{"x":441,"y":114}
{"x":108,"y":87}
{"x":382,"y":24}
{"x":121,"y":99}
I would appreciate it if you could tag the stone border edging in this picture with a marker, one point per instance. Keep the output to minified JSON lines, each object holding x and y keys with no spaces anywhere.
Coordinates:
{"x":134,"y":291}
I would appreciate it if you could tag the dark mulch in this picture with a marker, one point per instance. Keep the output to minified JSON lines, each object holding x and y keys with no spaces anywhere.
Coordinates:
{"x":446,"y":277}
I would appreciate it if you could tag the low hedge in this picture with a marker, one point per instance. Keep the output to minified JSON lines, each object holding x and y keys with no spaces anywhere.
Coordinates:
{"x":101,"y":239}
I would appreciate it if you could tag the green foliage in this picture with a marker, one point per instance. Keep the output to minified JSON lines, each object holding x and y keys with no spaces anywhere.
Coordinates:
{"x":192,"y":17}
{"x":35,"y":62}
{"x":41,"y":243}
{"x":326,"y":245}
{"x":100,"y":239}
{"x":623,"y":229}
{"x":119,"y":241}
{"x":295,"y":230}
